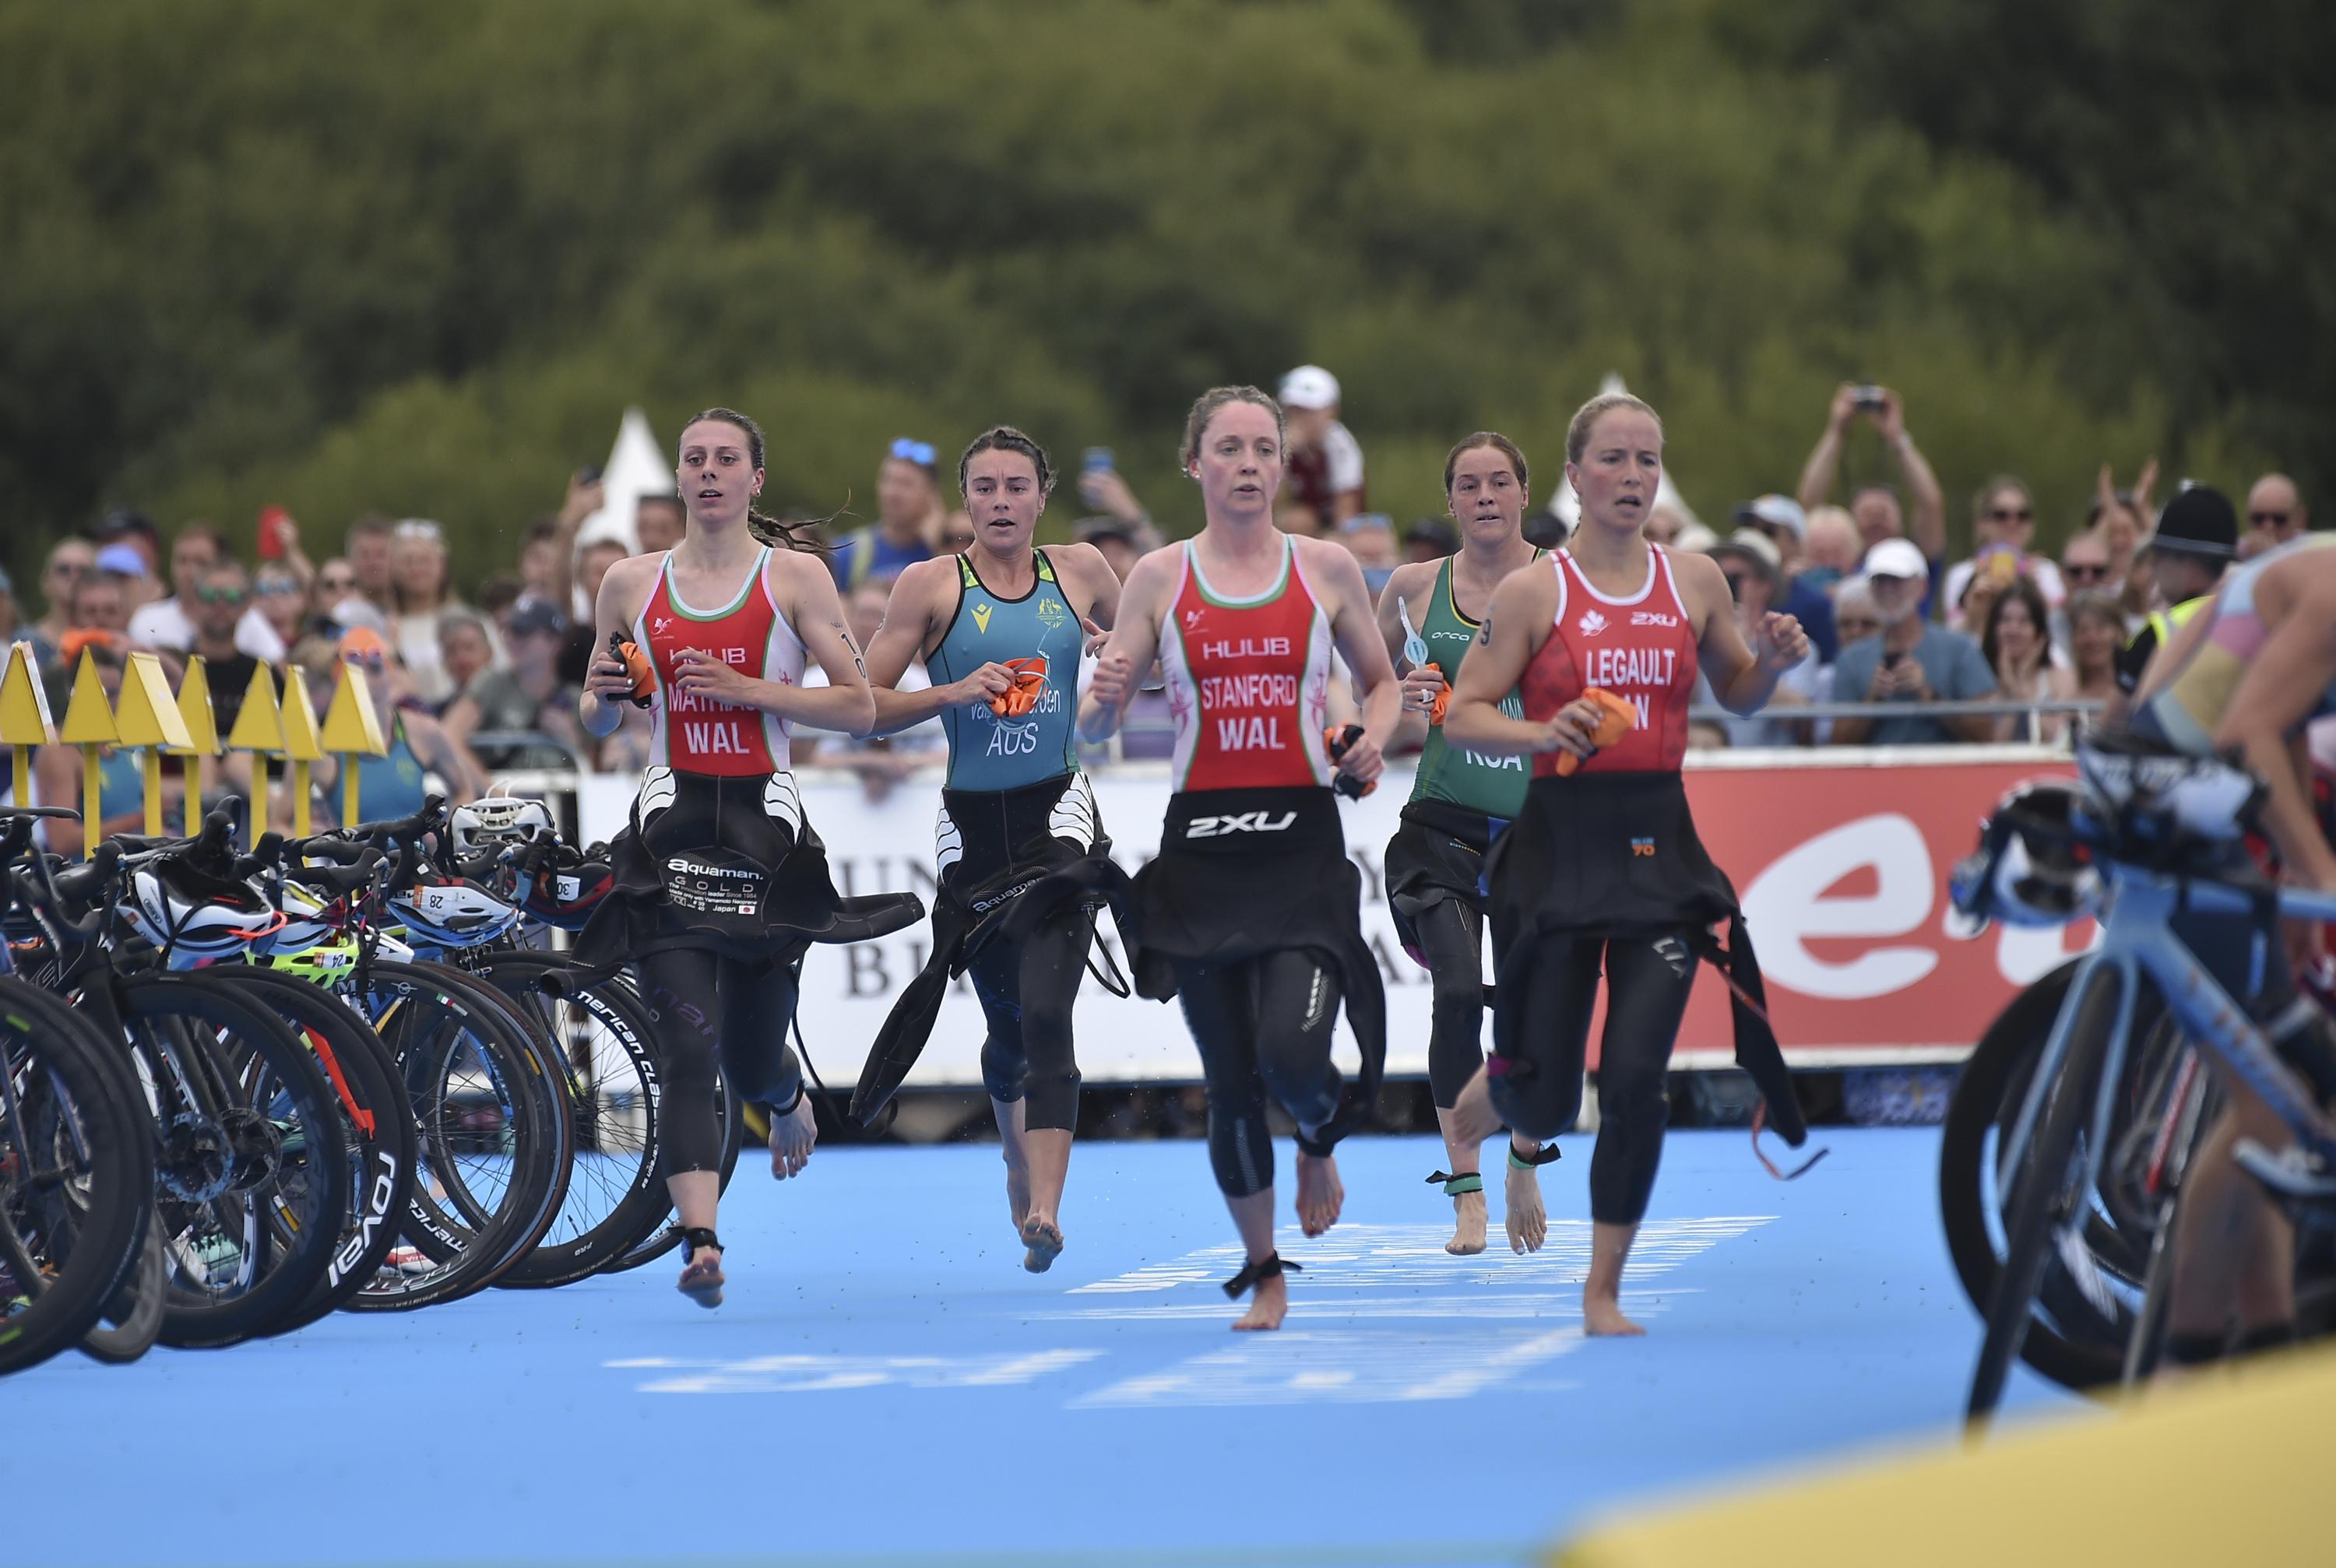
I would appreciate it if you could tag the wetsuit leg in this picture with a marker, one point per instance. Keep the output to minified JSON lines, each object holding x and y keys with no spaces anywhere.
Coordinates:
{"x":1297,"y":1014}
{"x":1646,"y":998}
{"x":1053,"y":957}
{"x":1545,"y":1002}
{"x":997,"y":976}
{"x":679,"y":985}
{"x":1219,"y":1002}
{"x":1450,"y":939}
{"x":757,"y":1007}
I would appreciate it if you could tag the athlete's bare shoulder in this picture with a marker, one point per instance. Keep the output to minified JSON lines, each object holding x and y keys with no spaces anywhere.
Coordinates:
{"x":1332,"y":564}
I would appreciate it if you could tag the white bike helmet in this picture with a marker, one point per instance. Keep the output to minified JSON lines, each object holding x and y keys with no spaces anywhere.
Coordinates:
{"x":194,"y":917}
{"x":500,"y":820}
{"x":305,"y":924}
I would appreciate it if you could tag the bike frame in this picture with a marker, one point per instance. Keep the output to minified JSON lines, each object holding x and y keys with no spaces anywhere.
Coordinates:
{"x":2138,"y":939}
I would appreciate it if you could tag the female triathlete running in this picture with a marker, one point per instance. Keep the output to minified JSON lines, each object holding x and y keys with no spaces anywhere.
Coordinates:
{"x":2249,"y":672}
{"x":1460,"y":801}
{"x":1021,"y":848}
{"x":1602,"y":867}
{"x":720,"y":882}
{"x":1252,"y":912}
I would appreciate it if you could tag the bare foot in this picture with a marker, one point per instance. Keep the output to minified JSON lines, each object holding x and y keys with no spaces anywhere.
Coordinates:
{"x":792,"y":1137}
{"x":1467,"y":1225}
{"x":1268,"y":1303}
{"x":1319,"y":1197}
{"x":1526,"y":1218}
{"x":1602,"y":1317}
{"x":702,"y":1279}
{"x":1043,"y":1239}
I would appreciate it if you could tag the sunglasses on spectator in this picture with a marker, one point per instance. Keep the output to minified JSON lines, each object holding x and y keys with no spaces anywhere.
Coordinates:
{"x":920,"y":453}
{"x":2011,"y":513}
{"x":371,"y":663}
{"x":1736,"y":581}
{"x":221,"y":594}
{"x":2078,"y":572}
{"x":337,"y":585}
{"x":2268,"y":519}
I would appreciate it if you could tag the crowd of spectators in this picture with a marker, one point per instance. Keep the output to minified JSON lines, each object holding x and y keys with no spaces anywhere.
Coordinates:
{"x":489,"y":685}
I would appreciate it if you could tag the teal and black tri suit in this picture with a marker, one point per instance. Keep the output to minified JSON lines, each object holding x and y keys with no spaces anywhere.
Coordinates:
{"x":1023,"y":859}
{"x":1460,"y":801}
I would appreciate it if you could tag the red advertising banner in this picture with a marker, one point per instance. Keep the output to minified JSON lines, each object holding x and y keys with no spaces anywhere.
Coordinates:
{"x":1842,"y":871}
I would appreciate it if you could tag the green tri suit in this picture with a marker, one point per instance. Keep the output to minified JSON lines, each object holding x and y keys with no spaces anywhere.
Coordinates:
{"x":1493,"y":786}
{"x":1460,"y":801}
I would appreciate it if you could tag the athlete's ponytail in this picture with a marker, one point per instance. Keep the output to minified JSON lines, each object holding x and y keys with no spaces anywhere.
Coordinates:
{"x":779,"y":534}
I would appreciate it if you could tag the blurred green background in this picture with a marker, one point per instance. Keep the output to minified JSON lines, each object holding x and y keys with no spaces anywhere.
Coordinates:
{"x":418,"y":257}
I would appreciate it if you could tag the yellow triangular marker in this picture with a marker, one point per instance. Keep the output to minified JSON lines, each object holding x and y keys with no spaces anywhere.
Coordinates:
{"x":148,"y":714}
{"x":352,"y":723}
{"x":25,"y":702}
{"x":195,"y":708}
{"x":301,"y":743}
{"x":88,"y":715}
{"x":301,"y":740}
{"x":259,"y":723}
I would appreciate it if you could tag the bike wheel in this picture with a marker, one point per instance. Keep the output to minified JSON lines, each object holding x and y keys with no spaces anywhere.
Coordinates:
{"x":616,"y":1191}
{"x":375,"y":1120}
{"x":2045,"y":1193}
{"x":76,"y":1176}
{"x":488,"y":1155}
{"x":134,"y":1316}
{"x":2073,"y":1341}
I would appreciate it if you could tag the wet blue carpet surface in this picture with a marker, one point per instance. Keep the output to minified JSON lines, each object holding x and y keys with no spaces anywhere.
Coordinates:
{"x":885,"y":1384}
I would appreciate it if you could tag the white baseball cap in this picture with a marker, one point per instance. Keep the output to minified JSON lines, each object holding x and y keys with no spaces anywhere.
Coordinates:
{"x":1897,"y":557}
{"x":1309,"y":386}
{"x":1777,"y":511}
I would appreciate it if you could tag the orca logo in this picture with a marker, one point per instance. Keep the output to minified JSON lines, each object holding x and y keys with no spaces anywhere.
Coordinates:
{"x":1242,"y":822}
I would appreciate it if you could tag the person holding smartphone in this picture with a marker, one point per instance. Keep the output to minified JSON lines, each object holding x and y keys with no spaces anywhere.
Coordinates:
{"x":1912,"y":662}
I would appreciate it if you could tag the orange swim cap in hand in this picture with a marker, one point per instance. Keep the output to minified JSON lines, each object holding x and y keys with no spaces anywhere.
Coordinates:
{"x":1440,"y":706}
{"x":636,"y":667}
{"x":1018,"y":700}
{"x":1615,"y":721}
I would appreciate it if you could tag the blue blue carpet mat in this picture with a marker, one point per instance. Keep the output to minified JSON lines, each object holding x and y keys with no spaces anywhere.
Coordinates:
{"x":887,"y":1385}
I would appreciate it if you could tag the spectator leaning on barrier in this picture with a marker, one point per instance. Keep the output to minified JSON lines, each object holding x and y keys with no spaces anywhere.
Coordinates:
{"x":1755,"y":570}
{"x":2275,"y":511}
{"x":1911,"y":661}
{"x":908,"y":514}
{"x":1322,"y":474}
{"x":528,"y":697}
{"x":2003,"y":523}
{"x":2012,"y":641}
{"x":1875,"y":507}
{"x":1786,"y":526}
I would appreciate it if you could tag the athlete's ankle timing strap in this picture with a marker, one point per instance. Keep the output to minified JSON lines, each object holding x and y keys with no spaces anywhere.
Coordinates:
{"x":1548,"y":1155}
{"x":1256,"y":1274}
{"x":1457,"y":1186}
{"x":696,"y":1236}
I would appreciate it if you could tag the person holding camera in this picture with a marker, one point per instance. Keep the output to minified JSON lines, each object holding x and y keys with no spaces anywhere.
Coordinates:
{"x":1877,"y":508}
{"x":1911,"y":661}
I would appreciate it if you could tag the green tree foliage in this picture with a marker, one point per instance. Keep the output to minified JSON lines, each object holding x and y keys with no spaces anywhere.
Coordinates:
{"x":415,"y":257}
